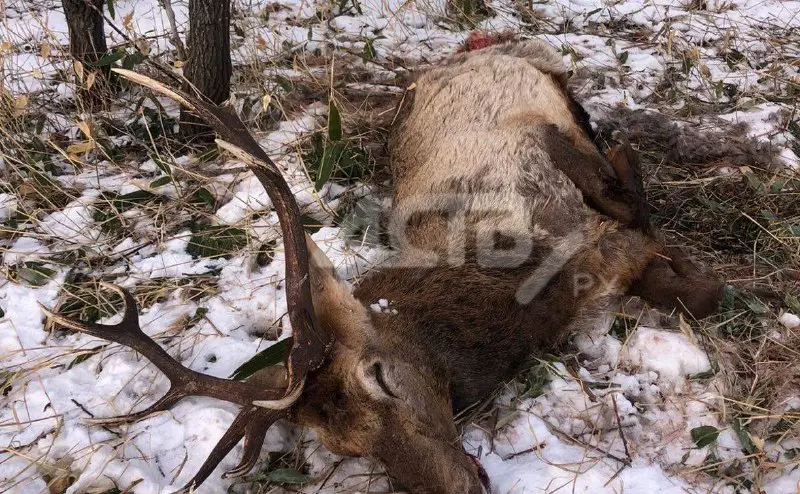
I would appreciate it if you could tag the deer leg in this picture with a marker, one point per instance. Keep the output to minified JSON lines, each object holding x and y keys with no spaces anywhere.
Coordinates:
{"x":628,"y":169}
{"x":602,"y":184}
{"x":638,"y":264}
{"x":669,"y":281}
{"x":674,"y":283}
{"x":612,"y":263}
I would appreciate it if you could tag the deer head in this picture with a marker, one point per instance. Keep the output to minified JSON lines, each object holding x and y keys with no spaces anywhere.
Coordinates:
{"x":338,"y":379}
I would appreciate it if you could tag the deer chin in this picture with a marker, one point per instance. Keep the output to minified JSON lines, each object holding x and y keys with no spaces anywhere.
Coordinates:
{"x":431,"y":466}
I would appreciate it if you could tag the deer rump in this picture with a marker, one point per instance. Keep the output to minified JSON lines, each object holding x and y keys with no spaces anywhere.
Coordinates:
{"x":511,"y":229}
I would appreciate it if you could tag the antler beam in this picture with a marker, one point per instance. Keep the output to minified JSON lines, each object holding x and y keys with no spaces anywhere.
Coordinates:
{"x":310,"y":342}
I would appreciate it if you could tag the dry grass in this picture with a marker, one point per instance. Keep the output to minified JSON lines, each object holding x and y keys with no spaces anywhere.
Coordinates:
{"x":738,"y":211}
{"x":716,"y":190}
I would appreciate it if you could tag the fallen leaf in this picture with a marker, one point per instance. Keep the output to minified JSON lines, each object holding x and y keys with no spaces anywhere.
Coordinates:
{"x":90,"y":80}
{"x":81,"y":147}
{"x":704,"y":435}
{"x":686,"y":329}
{"x":87,"y":131}
{"x":78,"y":67}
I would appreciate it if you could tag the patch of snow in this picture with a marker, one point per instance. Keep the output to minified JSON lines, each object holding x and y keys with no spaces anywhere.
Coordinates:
{"x":75,"y":223}
{"x":172,"y":261}
{"x":25,"y":249}
{"x":789,"y":320}
{"x":8,"y":206}
{"x":671,"y":355}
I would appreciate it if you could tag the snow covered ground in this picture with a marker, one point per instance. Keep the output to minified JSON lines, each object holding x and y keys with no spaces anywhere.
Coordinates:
{"x":642,"y":410}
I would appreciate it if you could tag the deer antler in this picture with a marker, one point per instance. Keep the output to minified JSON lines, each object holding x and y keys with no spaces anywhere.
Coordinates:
{"x":310,"y":343}
{"x":261,"y":406}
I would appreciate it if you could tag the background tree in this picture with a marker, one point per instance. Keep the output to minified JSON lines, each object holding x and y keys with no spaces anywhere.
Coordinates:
{"x":208,"y":66}
{"x":87,"y":39}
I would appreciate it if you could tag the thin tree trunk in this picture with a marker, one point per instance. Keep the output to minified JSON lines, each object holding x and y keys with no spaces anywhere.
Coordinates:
{"x":208,"y":66}
{"x":87,"y":40}
{"x":173,"y":26}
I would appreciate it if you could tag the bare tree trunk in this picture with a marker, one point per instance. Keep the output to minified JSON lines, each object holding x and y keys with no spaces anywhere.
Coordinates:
{"x":208,"y":66}
{"x":87,"y":41}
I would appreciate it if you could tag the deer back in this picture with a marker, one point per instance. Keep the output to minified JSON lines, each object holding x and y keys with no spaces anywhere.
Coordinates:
{"x":489,"y":125}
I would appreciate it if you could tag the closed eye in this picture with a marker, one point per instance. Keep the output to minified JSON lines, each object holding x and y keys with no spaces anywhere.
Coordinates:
{"x":381,"y":380}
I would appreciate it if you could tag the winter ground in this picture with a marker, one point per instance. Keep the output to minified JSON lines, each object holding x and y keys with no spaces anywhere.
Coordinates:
{"x":653,"y":403}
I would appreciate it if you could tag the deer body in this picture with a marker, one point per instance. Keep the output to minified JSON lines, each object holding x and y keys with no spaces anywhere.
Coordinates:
{"x":498,"y":256}
{"x":511,"y":229}
{"x":478,"y":141}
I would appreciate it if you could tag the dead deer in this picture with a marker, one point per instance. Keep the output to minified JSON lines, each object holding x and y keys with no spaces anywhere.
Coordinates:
{"x":511,"y":230}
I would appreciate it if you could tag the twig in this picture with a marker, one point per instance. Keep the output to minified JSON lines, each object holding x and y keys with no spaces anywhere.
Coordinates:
{"x":91,"y":415}
{"x":87,"y":412}
{"x":616,"y":474}
{"x":619,"y":427}
{"x":575,"y":440}
{"x":330,"y":474}
{"x":764,"y":229}
{"x":572,"y":368}
{"x":525,"y":451}
{"x":173,"y":26}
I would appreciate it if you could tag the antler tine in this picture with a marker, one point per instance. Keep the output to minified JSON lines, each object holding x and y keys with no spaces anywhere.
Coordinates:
{"x":118,"y":333}
{"x":173,"y":396}
{"x":252,"y":424}
{"x":254,"y":435}
{"x":310,"y":342}
{"x":184,"y":382}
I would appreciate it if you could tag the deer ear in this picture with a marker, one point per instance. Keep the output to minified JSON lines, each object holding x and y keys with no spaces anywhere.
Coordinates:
{"x":320,"y":264}
{"x":334,"y":303}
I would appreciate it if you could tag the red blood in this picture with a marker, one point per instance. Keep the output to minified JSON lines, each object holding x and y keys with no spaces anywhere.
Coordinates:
{"x":478,"y":40}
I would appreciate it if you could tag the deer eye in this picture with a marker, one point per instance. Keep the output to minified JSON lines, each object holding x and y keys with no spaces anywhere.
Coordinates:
{"x":375,"y":380}
{"x":381,"y":379}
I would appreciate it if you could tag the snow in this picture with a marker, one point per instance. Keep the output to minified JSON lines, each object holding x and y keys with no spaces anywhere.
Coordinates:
{"x":620,"y":422}
{"x":74,"y":224}
{"x":647,"y":347}
{"x":789,"y":320}
{"x":8,"y":206}
{"x":24,"y":249}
